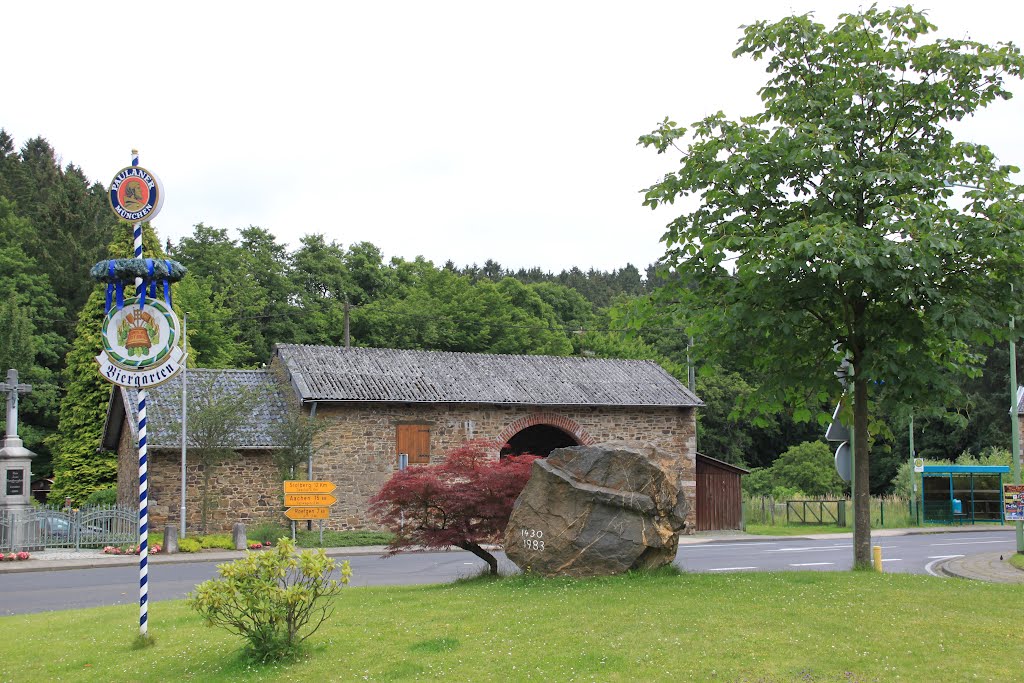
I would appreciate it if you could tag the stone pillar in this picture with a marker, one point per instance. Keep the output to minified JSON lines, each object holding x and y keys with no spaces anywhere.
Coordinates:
{"x":15,"y":461}
{"x":238,"y":536}
{"x":170,"y":539}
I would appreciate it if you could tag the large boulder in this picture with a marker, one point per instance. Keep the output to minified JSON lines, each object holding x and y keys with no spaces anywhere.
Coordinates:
{"x":596,"y":511}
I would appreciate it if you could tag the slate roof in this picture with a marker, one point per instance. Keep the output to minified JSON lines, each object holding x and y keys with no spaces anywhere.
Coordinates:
{"x":163,"y":408}
{"x":335,"y":374}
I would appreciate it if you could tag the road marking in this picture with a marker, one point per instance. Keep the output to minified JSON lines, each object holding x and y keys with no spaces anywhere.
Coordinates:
{"x":729,"y":569}
{"x":813,"y":564}
{"x":942,"y":557}
{"x":712,"y":544}
{"x":893,"y":559}
{"x":969,"y":542}
{"x":929,"y":567}
{"x":816,"y":548}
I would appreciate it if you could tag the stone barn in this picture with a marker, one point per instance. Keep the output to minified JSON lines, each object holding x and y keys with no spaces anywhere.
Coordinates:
{"x":379,"y":403}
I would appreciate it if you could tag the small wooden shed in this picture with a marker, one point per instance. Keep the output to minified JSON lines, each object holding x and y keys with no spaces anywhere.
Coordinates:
{"x":719,"y":496}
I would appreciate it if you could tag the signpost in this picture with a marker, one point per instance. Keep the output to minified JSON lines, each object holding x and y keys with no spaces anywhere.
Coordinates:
{"x":309,"y":487}
{"x":299,"y":513}
{"x":307,"y":500}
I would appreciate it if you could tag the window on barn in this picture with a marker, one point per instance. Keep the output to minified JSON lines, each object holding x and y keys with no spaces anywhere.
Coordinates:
{"x":415,"y":441}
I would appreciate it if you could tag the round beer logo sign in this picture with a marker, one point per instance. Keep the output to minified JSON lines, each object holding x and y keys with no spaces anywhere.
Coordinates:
{"x":140,"y":344}
{"x":136,"y":194}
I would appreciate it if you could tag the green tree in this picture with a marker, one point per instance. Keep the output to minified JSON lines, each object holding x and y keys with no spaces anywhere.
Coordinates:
{"x":295,"y":435}
{"x":809,"y":468}
{"x":826,"y":228}
{"x":79,"y":466}
{"x":215,"y":412}
{"x":17,"y":346}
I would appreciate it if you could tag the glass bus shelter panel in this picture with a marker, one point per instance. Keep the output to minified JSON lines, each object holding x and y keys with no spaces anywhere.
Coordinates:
{"x":960,"y":484}
{"x":988,"y":497}
{"x":937,"y":503}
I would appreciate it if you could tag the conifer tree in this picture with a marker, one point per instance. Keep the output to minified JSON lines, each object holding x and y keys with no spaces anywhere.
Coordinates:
{"x":80,"y":466}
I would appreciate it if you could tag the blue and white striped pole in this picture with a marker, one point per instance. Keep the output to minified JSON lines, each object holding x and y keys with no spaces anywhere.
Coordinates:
{"x":143,"y":466}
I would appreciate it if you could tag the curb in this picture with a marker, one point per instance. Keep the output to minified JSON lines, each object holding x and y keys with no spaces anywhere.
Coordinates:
{"x":30,"y":565}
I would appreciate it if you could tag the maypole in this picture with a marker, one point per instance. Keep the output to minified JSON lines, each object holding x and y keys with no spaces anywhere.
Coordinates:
{"x":140,"y":336}
{"x":143,"y":465}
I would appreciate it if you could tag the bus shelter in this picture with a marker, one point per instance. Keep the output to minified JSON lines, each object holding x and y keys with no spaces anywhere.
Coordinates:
{"x":962,"y":494}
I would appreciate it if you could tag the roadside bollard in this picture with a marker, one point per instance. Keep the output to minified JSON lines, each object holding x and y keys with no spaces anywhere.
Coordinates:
{"x":877,"y":557}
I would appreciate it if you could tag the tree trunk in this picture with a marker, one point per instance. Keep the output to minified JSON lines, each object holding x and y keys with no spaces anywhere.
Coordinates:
{"x":491,"y":560}
{"x":862,"y":475}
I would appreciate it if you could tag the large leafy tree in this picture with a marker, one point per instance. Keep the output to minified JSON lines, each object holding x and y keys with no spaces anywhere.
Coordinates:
{"x":826,"y":228}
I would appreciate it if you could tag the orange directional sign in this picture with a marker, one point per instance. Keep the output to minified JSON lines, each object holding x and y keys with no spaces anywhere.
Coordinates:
{"x":307,"y":513}
{"x":309,"y":499}
{"x":309,"y":486}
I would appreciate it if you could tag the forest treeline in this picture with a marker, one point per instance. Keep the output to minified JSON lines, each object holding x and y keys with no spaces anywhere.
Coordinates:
{"x":246,"y":291}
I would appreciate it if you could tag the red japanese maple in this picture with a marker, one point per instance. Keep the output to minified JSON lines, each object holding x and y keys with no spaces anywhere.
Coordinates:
{"x":464,"y":501}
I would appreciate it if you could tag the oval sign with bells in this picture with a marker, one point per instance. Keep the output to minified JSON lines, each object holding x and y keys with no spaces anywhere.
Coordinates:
{"x":140,"y":344}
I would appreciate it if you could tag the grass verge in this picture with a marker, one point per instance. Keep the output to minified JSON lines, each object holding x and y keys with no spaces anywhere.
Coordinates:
{"x":1017,"y":560}
{"x":807,"y":626}
{"x":795,"y":529}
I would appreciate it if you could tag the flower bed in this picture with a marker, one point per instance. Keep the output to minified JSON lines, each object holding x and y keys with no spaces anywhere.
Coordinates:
{"x":131,"y":550}
{"x":14,"y":557}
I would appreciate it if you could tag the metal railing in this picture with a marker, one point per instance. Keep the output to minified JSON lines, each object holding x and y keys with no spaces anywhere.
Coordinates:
{"x":820,"y":512}
{"x":91,"y":527}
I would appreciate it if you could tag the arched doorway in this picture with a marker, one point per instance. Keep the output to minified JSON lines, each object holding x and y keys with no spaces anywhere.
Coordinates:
{"x":538,"y":439}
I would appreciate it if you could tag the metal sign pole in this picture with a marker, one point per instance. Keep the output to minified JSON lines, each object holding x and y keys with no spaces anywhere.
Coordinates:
{"x":184,"y":414}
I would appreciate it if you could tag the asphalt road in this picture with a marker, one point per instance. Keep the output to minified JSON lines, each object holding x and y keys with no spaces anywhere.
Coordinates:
{"x":23,"y":593}
{"x":913,"y":554}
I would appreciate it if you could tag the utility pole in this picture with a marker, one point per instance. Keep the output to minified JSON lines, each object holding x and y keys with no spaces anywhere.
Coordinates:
{"x":346,"y":322}
{"x":1015,"y":424}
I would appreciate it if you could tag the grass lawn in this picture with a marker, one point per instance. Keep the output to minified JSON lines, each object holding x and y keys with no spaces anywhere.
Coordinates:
{"x":796,"y":529}
{"x":1017,"y":560}
{"x":806,"y":626}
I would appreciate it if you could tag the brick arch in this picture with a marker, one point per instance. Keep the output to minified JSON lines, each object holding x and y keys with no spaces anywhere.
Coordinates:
{"x":567,"y":425}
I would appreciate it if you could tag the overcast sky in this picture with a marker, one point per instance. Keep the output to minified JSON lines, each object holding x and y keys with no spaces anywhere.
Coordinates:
{"x":461,"y":131}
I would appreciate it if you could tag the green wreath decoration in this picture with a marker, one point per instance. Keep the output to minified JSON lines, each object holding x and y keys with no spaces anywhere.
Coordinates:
{"x":127,"y":269}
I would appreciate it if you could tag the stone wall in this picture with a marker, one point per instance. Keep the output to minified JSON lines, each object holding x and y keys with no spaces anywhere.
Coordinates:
{"x":243,"y":489}
{"x":357,"y":453}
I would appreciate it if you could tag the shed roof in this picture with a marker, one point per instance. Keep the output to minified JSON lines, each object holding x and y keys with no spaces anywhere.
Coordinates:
{"x":163,"y":408}
{"x":721,"y":464}
{"x":335,"y":374}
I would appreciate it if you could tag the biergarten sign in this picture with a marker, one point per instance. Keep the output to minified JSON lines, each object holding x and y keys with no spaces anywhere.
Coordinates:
{"x":140,"y":344}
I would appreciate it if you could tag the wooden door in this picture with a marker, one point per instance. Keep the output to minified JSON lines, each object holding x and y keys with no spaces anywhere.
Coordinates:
{"x":415,"y":441}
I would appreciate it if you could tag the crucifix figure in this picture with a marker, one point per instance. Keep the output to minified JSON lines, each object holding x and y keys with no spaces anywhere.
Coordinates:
{"x":13,"y":391}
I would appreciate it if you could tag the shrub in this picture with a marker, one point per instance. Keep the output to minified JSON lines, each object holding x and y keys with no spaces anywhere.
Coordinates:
{"x":464,"y":501}
{"x":107,"y":496}
{"x":262,"y":533}
{"x":221,"y":541}
{"x":274,"y":599}
{"x":189,"y":545}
